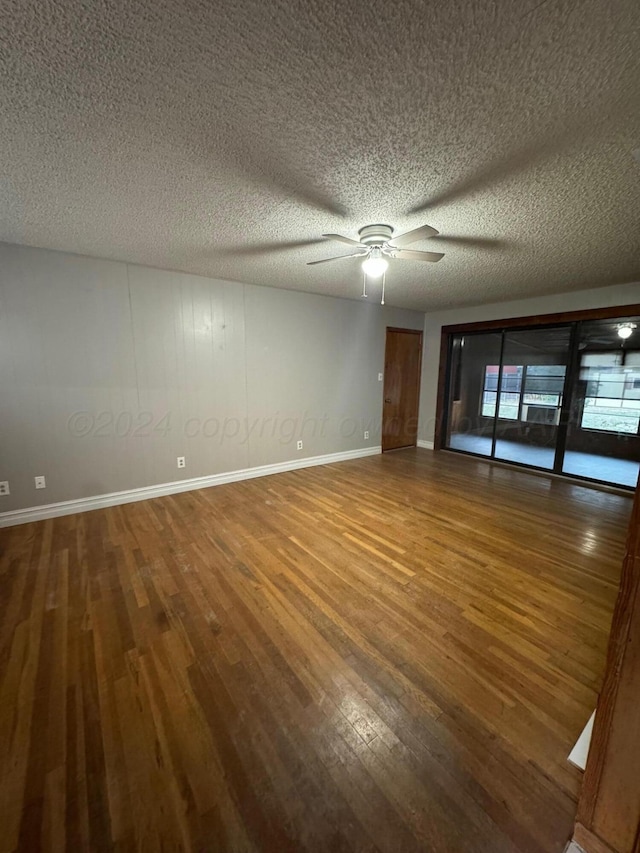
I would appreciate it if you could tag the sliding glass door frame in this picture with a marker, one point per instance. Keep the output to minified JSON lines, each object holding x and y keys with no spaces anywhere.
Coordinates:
{"x":573,"y":368}
{"x":572,"y":319}
{"x":496,"y":417}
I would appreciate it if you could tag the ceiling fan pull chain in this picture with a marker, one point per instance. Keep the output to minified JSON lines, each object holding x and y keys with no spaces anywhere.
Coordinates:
{"x":384,"y":276}
{"x":364,"y":285}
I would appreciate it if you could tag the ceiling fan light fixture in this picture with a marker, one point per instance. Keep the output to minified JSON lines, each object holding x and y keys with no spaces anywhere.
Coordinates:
{"x":375,"y":243}
{"x":375,"y":265}
{"x":625,"y":330}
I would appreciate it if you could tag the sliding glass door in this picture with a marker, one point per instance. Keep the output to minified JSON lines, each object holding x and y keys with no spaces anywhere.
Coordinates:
{"x":472,"y":398}
{"x":603,"y":440}
{"x":534,"y":368}
{"x":562,"y":398}
{"x":506,"y":394}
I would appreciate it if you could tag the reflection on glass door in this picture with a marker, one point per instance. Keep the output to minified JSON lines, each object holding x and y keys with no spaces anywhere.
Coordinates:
{"x":603,"y":437}
{"x":533,"y":377}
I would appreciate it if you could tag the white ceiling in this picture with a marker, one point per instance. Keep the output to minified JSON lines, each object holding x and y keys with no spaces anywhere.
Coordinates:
{"x":193,"y":135}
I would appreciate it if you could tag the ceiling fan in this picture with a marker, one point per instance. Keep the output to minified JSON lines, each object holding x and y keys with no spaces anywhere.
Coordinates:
{"x":375,"y":242}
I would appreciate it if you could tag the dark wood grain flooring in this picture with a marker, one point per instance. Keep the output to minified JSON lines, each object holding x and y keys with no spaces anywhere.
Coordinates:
{"x":390,"y":654}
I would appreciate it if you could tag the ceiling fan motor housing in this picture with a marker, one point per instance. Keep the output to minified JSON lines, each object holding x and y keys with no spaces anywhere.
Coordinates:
{"x":375,"y":235}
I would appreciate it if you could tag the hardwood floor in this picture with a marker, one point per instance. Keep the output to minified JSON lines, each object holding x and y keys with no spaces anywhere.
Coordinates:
{"x":391,"y":654}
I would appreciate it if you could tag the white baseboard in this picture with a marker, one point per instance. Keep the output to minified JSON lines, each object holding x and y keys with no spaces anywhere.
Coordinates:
{"x":38,"y":513}
{"x":426,"y":445}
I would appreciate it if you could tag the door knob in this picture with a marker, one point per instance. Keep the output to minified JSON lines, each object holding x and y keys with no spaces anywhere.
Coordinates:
{"x":387,"y":399}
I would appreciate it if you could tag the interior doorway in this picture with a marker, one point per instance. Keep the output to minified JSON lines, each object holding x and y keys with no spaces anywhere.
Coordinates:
{"x":402,"y":363}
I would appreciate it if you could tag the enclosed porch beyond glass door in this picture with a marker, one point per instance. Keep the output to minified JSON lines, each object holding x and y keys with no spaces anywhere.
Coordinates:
{"x":471,"y":414}
{"x":534,"y":367}
{"x":603,"y":437}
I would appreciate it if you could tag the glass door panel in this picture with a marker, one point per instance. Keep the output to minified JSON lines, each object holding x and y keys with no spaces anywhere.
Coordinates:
{"x":534,"y":368}
{"x":603,"y":436}
{"x":474,"y":368}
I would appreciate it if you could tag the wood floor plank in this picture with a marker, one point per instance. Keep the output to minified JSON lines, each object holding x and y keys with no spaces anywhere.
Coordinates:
{"x":394,"y":653}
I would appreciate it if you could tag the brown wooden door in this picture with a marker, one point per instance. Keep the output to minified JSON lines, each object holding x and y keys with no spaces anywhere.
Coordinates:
{"x":402,"y":360}
{"x":609,"y":808}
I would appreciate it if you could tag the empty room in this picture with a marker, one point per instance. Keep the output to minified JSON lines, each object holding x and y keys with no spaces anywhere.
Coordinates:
{"x":320,"y":426}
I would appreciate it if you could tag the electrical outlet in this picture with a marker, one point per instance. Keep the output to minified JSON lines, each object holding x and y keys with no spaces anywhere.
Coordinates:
{"x":40,"y":483}
{"x":299,"y":445}
{"x":182,"y":462}
{"x":366,"y":433}
{"x":4,"y":487}
{"x":380,"y":377}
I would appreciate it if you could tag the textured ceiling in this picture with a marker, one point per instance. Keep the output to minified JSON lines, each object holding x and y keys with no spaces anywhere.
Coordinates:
{"x":194,"y":135}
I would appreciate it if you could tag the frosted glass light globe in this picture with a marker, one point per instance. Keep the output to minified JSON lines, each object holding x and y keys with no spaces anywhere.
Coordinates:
{"x":375,"y":266}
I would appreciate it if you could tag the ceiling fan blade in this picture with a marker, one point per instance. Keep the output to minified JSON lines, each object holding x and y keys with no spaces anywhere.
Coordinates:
{"x":413,"y":236}
{"x":342,"y":239}
{"x":413,"y":255}
{"x":337,"y":258}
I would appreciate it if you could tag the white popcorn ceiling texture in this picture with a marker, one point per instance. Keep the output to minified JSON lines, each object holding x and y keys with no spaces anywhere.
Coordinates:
{"x":224,"y":138}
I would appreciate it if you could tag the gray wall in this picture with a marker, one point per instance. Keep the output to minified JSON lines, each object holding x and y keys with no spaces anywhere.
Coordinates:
{"x":623,"y":294}
{"x":109,"y":371}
